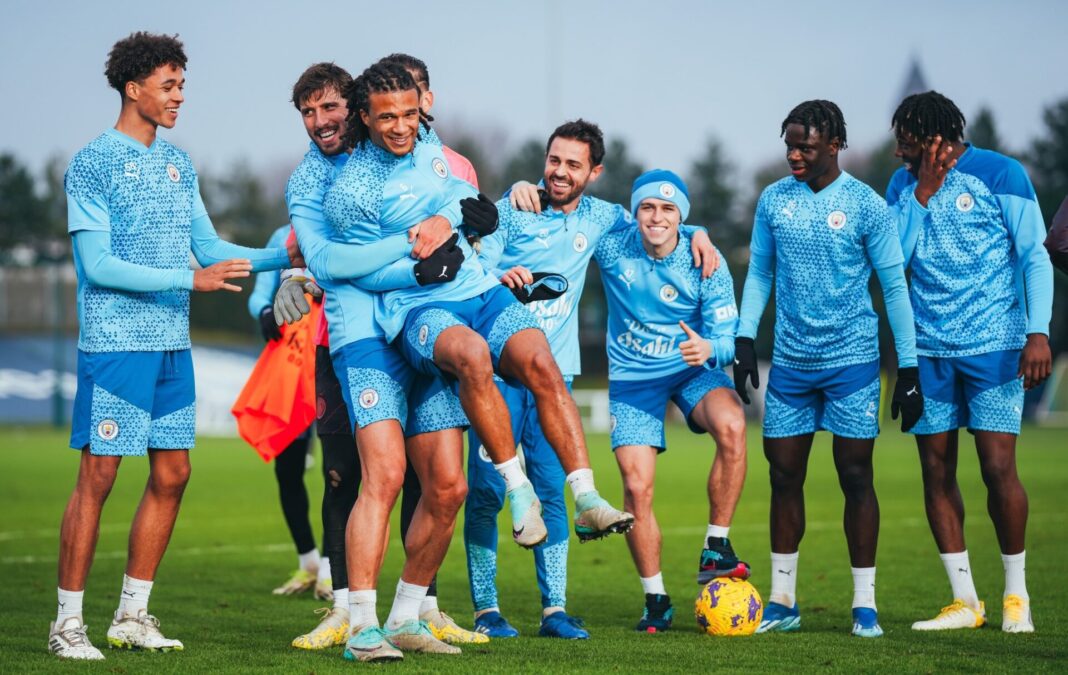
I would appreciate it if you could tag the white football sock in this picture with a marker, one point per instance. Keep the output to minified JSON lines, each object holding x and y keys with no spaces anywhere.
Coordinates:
{"x":783,"y":579}
{"x":512,"y":473}
{"x":341,"y":598}
{"x":718,"y":531}
{"x":429,"y":604}
{"x":362,"y":608}
{"x":70,"y":604}
{"x":134,"y":596}
{"x":1014,"y":574}
{"x":959,"y":571}
{"x":405,"y":604}
{"x":324,"y":568}
{"x":863,"y":587}
{"x":550,"y":610}
{"x":581,"y":481}
{"x":309,"y":561}
{"x":654,"y":584}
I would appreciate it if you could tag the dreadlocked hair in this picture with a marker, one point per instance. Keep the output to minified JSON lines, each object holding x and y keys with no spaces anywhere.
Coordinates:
{"x":377,"y":79}
{"x":928,"y":115}
{"x":822,"y":116}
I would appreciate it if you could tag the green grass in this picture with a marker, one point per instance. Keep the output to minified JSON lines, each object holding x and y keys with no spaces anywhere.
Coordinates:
{"x":230,"y":548}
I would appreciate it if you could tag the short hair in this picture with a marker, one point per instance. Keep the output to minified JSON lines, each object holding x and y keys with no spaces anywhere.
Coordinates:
{"x":586,"y":132}
{"x":414,"y":65}
{"x":378,"y":78}
{"x":928,"y":115}
{"x":317,"y":78}
{"x":825,"y":117}
{"x":135,"y":57}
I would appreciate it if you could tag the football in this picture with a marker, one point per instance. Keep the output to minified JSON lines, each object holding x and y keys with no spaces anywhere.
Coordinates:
{"x":729,"y":607}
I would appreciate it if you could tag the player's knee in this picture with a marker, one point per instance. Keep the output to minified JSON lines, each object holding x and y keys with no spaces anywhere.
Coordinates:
{"x":470,"y":360}
{"x":729,"y":433}
{"x":384,"y":483}
{"x":541,"y":373}
{"x":638,"y":493}
{"x":170,"y":480}
{"x":97,"y":479}
{"x":855,"y":479}
{"x":450,"y":494}
{"x":784,"y":480}
{"x":998,"y":469}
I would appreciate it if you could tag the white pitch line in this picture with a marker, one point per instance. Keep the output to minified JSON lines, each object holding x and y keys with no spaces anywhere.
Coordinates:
{"x":182,"y":552}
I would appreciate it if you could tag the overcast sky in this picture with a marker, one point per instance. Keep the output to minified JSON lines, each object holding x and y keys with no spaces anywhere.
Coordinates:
{"x":663,"y":75}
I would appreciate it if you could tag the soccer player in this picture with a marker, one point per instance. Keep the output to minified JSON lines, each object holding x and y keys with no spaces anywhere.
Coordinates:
{"x":670,"y":333}
{"x":134,"y":214}
{"x":818,"y":235}
{"x":559,"y":238}
{"x":313,"y":570}
{"x":317,"y":95}
{"x":982,"y":290}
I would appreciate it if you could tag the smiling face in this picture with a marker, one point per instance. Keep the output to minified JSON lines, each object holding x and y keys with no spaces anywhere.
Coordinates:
{"x":568,"y":171}
{"x":158,"y":97}
{"x":323,"y":114}
{"x":392,"y":120}
{"x":813,"y":159}
{"x":658,"y":221}
{"x":910,"y":150}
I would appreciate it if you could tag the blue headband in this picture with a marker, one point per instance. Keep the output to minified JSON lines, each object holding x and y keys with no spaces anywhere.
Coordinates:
{"x":660,"y":184}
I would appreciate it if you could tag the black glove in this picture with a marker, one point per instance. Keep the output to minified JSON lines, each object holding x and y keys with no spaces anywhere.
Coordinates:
{"x":442,"y":265}
{"x":268,"y":327}
{"x":479,"y":215}
{"x":908,"y":397}
{"x":546,"y":286}
{"x":745,"y":365}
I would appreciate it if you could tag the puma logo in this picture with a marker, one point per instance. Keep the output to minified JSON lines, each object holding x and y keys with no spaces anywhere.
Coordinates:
{"x":785,"y":572}
{"x":962,"y":570}
{"x":519,"y":532}
{"x":912,"y":391}
{"x":444,"y":272}
{"x":62,"y":605}
{"x":128,"y":593}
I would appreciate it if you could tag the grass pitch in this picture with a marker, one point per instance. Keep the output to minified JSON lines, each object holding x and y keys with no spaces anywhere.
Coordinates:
{"x":230,"y":548}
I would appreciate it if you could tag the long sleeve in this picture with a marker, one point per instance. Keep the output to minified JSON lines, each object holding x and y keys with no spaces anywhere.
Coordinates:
{"x":1027,"y":229}
{"x":209,"y":249}
{"x":102,"y":268}
{"x":899,"y":312}
{"x":267,"y":283}
{"x":760,"y":277}
{"x":398,"y":274}
{"x":719,"y":314}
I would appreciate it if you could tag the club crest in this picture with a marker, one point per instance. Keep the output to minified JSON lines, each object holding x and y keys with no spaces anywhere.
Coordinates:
{"x":439,"y":168}
{"x":173,"y":173}
{"x":667,"y":190}
{"x":581,"y":242}
{"x":836,"y":220}
{"x":668,"y":293}
{"x":368,"y":398}
{"x":107,"y":429}
{"x":965,"y":202}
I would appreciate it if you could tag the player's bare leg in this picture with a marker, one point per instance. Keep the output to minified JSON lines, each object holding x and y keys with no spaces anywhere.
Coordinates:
{"x":527,"y":358}
{"x":720,"y":413}
{"x":154,"y":521}
{"x":860,"y":519}
{"x":382,"y":462}
{"x":438,"y":461}
{"x":637,"y":465}
{"x":81,"y":520}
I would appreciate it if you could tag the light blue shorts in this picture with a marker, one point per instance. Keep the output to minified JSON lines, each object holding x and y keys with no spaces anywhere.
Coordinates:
{"x":843,"y":401}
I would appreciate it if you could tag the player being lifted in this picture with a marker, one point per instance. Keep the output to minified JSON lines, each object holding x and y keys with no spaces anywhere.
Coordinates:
{"x":557,"y":237}
{"x":670,"y":333}
{"x":818,"y":235}
{"x":134,"y":213}
{"x":970,"y":225}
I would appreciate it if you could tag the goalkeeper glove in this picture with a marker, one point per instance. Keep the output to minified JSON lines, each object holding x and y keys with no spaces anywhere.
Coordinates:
{"x":290,"y":304}
{"x":908,"y":397}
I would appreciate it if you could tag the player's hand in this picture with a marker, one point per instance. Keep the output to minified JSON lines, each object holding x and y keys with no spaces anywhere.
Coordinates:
{"x":908,"y":397}
{"x":524,"y":197}
{"x":290,"y":305}
{"x":213,"y":277}
{"x":296,"y":258}
{"x":268,"y":326}
{"x":442,"y":265}
{"x":695,"y":350}
{"x":1036,"y":361}
{"x":745,"y":365}
{"x":428,"y":236}
{"x":704,"y":254}
{"x":517,"y":277}
{"x":934,"y":166}
{"x":479,"y":215}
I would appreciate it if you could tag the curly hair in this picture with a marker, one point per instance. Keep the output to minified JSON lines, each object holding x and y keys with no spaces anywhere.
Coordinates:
{"x":134,"y":58}
{"x":378,"y":78}
{"x":928,"y":115}
{"x":822,"y":116}
{"x":586,"y":132}
{"x":320,"y":77}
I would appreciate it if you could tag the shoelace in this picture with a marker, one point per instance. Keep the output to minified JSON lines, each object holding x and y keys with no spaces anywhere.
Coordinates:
{"x":952,"y":608}
{"x":1014,"y":608}
{"x":76,"y":637}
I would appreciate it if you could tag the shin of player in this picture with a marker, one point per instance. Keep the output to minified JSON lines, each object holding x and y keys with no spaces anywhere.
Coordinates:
{"x":979,"y":351}
{"x":135,"y":387}
{"x":822,"y":225}
{"x":670,"y":333}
